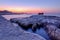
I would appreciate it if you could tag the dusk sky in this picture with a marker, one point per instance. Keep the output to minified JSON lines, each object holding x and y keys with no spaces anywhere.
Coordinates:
{"x":30,"y":5}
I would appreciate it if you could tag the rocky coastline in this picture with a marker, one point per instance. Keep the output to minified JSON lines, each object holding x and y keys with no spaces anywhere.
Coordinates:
{"x":10,"y":31}
{"x":51,"y":24}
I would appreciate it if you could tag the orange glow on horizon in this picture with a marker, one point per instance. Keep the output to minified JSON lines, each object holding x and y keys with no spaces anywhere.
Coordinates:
{"x":28,"y":10}
{"x":31,"y":10}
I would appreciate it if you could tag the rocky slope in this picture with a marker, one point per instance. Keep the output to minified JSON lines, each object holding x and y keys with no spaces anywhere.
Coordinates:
{"x":51,"y":24}
{"x":8,"y":31}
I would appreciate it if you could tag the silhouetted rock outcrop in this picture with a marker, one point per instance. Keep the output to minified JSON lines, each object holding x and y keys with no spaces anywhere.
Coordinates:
{"x":4,"y":12}
{"x":41,"y":13}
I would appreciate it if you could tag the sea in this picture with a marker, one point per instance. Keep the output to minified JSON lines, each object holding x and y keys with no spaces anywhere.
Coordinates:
{"x":8,"y":17}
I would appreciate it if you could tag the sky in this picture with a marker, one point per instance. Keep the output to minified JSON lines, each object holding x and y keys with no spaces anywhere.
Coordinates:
{"x":33,"y":6}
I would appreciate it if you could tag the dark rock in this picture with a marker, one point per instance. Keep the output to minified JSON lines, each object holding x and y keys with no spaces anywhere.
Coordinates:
{"x":40,"y":13}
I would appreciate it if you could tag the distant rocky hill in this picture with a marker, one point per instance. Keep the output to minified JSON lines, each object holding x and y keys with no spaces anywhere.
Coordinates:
{"x":5,"y":12}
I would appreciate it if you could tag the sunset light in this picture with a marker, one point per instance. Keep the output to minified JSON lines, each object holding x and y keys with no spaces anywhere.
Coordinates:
{"x":30,"y":6}
{"x":29,"y":10}
{"x":22,"y":9}
{"x":29,"y":19}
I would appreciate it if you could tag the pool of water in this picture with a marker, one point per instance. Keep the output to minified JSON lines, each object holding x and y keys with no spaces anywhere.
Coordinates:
{"x":40,"y":32}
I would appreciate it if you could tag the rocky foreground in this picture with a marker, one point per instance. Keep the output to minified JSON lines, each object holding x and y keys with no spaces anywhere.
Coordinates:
{"x":8,"y":31}
{"x":51,"y":24}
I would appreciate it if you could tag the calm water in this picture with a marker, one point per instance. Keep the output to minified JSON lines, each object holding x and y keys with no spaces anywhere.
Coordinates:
{"x":53,"y":14}
{"x":40,"y":31}
{"x":8,"y":17}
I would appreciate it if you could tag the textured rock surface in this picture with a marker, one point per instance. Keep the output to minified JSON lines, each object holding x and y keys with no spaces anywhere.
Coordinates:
{"x":10,"y":32}
{"x":36,"y":21}
{"x":51,"y":23}
{"x":53,"y":31}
